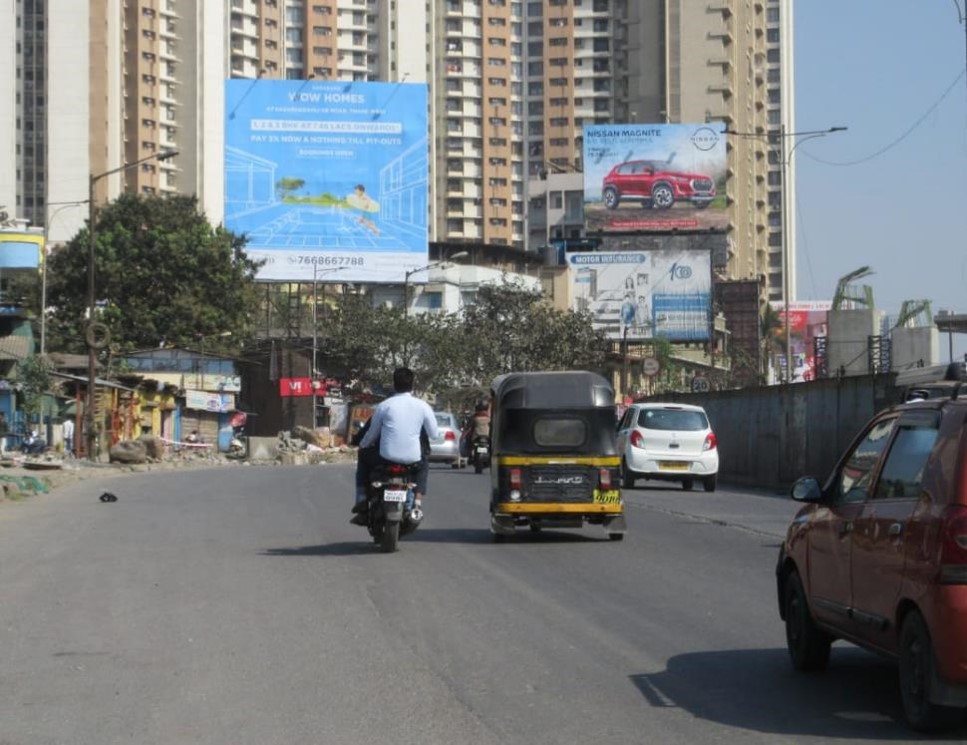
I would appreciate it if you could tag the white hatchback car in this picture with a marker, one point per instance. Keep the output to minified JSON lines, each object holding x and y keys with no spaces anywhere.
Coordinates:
{"x":668,"y":442}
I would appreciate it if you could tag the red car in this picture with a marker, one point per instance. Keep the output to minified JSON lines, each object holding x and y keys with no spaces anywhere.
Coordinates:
{"x":878,"y":555}
{"x":656,"y":185}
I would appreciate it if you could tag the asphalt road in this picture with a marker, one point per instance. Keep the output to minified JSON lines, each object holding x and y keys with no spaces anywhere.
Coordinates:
{"x":237,"y":605}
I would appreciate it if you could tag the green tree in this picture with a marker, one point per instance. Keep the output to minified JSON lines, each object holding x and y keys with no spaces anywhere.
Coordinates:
{"x":366,"y":343}
{"x":510,"y":328}
{"x":34,"y":373}
{"x":507,"y":328}
{"x":163,"y":273}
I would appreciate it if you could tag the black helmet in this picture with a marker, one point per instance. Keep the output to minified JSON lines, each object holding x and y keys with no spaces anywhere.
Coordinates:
{"x":481,"y":406}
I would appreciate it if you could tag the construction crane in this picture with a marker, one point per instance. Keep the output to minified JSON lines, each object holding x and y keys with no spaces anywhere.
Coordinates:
{"x":914,"y":314}
{"x":847,"y":295}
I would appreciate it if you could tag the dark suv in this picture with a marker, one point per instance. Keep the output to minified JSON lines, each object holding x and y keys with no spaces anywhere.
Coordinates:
{"x":878,"y":554}
{"x":656,"y":185}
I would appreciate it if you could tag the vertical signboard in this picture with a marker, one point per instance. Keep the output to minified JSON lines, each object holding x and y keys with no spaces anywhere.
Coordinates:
{"x":644,"y":294}
{"x":807,"y":320}
{"x":328,"y":180}
{"x":655,"y":177}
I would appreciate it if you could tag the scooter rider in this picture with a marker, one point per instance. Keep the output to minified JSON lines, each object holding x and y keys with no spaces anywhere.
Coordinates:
{"x":396,"y":424}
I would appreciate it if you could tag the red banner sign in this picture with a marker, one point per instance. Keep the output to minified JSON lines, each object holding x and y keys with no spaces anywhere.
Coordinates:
{"x":295,"y":387}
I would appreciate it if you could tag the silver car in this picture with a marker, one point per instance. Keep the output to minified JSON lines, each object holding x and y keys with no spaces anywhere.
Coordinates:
{"x":446,"y":447}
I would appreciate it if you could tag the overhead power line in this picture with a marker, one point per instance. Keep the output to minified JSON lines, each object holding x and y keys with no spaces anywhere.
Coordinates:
{"x":920,"y":120}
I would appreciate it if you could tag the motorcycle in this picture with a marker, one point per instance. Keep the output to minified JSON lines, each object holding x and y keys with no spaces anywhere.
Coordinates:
{"x":391,"y":512}
{"x":237,"y":447}
{"x":34,"y":444}
{"x":480,"y":454}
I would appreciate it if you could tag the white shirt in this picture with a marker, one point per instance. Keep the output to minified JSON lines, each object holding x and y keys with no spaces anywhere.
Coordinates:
{"x":68,"y":428}
{"x":397,"y":423}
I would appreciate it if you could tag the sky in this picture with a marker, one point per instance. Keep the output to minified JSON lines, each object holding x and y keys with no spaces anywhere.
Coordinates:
{"x":879,"y":67}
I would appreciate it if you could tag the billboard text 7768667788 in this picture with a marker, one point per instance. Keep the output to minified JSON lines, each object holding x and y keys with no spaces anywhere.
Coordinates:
{"x":324,"y":176}
{"x":655,"y":177}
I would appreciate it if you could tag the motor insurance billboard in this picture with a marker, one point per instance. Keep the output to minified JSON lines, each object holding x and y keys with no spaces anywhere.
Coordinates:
{"x":641,"y":295}
{"x":808,"y":319}
{"x":328,"y":180}
{"x":655,"y":177}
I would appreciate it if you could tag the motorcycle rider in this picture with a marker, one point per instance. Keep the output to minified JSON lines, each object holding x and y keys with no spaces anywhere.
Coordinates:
{"x":396,"y":425}
{"x":478,"y":426}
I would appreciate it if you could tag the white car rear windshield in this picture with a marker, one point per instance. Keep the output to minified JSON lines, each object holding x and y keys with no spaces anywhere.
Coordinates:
{"x":678,"y":420}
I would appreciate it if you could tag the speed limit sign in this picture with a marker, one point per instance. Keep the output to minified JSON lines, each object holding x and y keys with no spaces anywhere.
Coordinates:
{"x":650,"y":366}
{"x":700,"y":384}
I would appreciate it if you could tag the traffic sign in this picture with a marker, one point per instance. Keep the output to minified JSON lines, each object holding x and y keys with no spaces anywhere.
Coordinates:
{"x":650,"y":366}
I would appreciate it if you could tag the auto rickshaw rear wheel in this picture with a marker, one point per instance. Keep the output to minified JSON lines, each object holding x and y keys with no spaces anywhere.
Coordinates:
{"x":616,"y":536}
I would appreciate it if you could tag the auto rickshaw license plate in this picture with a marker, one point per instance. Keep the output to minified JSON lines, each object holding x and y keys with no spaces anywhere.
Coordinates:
{"x":394,"y":495}
{"x":673,"y":465}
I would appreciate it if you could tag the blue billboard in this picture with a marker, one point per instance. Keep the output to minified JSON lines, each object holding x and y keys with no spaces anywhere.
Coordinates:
{"x":328,"y":180}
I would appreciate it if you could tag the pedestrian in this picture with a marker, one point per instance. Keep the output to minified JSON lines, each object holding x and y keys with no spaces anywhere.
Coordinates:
{"x":68,"y":435}
{"x":4,"y":431}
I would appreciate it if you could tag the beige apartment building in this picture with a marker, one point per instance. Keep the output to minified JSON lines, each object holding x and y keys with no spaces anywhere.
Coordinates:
{"x":100,"y":84}
{"x":666,"y":61}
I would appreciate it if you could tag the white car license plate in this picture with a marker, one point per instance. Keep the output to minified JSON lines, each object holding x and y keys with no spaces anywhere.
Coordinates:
{"x":394,"y":495}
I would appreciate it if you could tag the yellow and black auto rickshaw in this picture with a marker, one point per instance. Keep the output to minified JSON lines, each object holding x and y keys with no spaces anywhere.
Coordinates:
{"x":554,"y":461}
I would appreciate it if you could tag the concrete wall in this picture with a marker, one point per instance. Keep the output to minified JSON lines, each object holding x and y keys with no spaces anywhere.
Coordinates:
{"x":914,"y":347}
{"x":769,"y":437}
{"x":849,"y":332}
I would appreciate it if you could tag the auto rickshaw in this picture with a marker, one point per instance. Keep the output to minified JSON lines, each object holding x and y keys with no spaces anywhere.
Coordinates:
{"x":554,"y":462}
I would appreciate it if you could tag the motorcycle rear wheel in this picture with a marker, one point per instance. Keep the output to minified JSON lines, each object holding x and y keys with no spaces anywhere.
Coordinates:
{"x":391,"y":536}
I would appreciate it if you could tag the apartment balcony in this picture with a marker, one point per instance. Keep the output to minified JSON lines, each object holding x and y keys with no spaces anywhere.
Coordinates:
{"x":723,"y":90}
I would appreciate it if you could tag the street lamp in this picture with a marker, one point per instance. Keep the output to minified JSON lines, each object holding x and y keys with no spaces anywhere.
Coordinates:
{"x":411,"y":272}
{"x":43,"y":269}
{"x":91,"y":333}
{"x":315,"y":335}
{"x":785,"y":157}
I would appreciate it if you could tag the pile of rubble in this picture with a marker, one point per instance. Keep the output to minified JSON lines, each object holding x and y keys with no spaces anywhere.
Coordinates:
{"x":307,"y":446}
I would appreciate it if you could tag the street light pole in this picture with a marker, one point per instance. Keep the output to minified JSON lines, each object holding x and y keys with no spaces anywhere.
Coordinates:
{"x":90,"y":417}
{"x":785,"y":158}
{"x":411,"y":272}
{"x":315,"y":338}
{"x":43,"y":269}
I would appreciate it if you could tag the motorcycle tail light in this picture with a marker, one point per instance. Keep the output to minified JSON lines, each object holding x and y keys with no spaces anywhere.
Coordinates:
{"x":395,"y":469}
{"x":604,"y":478}
{"x":711,"y":442}
{"x":515,"y":479}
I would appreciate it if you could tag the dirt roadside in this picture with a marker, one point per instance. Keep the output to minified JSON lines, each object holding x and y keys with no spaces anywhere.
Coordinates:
{"x":18,"y":481}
